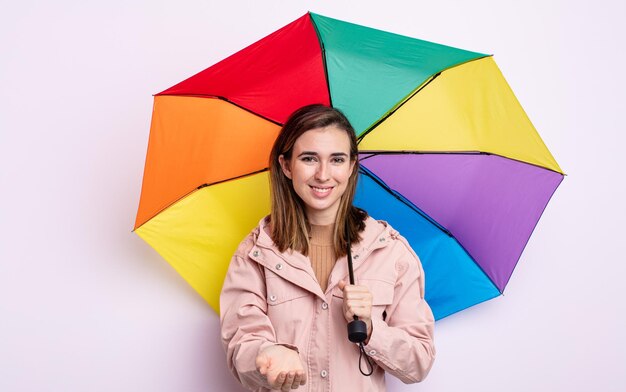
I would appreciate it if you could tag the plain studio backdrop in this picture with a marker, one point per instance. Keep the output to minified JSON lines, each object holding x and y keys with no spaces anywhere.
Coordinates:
{"x":86,"y":305}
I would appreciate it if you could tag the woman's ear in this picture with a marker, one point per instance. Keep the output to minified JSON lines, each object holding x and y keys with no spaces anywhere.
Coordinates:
{"x":284,"y":164}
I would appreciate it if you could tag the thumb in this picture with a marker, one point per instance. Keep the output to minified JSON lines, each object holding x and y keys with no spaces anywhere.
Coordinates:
{"x":341,"y":284}
{"x":262,"y":363}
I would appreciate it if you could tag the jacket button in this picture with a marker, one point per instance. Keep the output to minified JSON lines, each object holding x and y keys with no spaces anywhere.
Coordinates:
{"x":381,"y":239}
{"x":323,"y":373}
{"x":324,"y":305}
{"x":356,"y":257}
{"x":279,"y":266}
{"x":255,"y":253}
{"x":372,"y":352}
{"x":272,"y":298}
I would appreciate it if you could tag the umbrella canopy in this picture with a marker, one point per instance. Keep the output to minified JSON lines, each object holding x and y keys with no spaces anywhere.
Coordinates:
{"x":448,"y":155}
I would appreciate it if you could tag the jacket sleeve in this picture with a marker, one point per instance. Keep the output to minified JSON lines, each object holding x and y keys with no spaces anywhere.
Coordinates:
{"x":403,"y":344}
{"x":245,"y":327}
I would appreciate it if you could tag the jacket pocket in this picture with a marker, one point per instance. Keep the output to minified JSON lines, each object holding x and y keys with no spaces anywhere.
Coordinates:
{"x":289,"y":310}
{"x":280,"y":291}
{"x":382,"y":291}
{"x":382,"y":296}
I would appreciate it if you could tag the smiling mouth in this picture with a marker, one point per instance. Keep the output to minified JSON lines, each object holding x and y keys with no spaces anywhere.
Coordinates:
{"x":321,"y":190}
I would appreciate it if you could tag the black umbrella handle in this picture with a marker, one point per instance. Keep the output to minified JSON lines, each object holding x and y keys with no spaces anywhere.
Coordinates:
{"x":357,"y":329}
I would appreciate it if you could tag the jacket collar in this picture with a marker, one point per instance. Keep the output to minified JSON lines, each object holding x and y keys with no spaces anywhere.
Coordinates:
{"x":377,"y":234}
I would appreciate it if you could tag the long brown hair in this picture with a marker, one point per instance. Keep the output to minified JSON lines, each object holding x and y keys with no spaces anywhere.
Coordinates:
{"x":289,"y":223}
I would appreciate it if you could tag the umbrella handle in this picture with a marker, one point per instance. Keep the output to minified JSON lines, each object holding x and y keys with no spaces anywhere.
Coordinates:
{"x":357,"y":329}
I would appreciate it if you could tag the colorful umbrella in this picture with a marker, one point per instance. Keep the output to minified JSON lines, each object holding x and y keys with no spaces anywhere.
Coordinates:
{"x":449,"y":157}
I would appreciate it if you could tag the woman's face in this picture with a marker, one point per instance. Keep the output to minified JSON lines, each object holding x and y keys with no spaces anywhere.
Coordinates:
{"x":319,"y":169}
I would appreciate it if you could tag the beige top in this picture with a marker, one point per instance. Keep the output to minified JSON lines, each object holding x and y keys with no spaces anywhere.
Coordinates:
{"x":321,"y":252}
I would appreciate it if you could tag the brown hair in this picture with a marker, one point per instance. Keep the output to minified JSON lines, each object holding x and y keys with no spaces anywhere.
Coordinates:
{"x":289,"y":223}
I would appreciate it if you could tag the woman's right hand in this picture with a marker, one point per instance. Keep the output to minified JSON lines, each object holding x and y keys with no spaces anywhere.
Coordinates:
{"x":281,"y":366}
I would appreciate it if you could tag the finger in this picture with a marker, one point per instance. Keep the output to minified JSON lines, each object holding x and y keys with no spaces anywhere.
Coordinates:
{"x":361,"y":310}
{"x":341,"y":284}
{"x":356,"y":295}
{"x":363,"y":315}
{"x":261,"y":364}
{"x":279,"y":381}
{"x":296,"y":381}
{"x":357,"y":291}
{"x":358,"y":303}
{"x":302,"y":377}
{"x":288,"y":381}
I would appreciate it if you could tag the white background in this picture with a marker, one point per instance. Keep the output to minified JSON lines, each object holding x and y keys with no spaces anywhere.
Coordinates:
{"x":86,"y":305}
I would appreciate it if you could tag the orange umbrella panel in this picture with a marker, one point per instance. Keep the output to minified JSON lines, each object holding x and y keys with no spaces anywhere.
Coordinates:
{"x":198,"y":141}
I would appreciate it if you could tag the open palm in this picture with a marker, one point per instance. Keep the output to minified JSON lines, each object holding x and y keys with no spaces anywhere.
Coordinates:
{"x":282,"y":367}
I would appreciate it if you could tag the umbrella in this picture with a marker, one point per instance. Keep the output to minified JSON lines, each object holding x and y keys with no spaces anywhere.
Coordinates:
{"x":448,"y":155}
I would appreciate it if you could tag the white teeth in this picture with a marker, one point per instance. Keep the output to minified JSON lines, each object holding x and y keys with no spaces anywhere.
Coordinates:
{"x":321,"y":190}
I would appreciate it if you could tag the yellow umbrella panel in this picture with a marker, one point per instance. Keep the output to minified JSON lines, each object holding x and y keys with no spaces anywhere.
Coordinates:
{"x":199,"y":234}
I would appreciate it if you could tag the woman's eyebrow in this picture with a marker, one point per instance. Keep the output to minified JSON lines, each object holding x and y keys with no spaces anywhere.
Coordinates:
{"x":313,"y":153}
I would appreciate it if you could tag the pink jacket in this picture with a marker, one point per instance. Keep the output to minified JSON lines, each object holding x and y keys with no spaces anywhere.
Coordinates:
{"x":271,"y":297}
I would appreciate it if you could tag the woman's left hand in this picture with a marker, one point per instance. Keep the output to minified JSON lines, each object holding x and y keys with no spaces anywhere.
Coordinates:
{"x":357,"y":301}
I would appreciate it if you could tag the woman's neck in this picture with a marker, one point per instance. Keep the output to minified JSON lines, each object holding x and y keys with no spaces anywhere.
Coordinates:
{"x":322,"y":234}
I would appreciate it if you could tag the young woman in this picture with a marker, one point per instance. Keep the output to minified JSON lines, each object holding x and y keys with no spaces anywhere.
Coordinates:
{"x":285,"y":302}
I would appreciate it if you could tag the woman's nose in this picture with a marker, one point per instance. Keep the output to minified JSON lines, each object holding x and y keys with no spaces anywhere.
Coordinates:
{"x":322,"y":172}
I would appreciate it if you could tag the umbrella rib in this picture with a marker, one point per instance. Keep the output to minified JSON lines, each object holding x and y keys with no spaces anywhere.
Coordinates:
{"x":412,"y":94}
{"x":228,"y":101}
{"x":323,"y":50}
{"x":373,"y":153}
{"x":231,"y":178}
{"x":404,"y":200}
{"x":383,"y":118}
{"x":197,"y":189}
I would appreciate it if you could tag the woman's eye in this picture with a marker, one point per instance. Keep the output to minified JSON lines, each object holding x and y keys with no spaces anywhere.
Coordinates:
{"x":308,"y":159}
{"x":339,"y":160}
